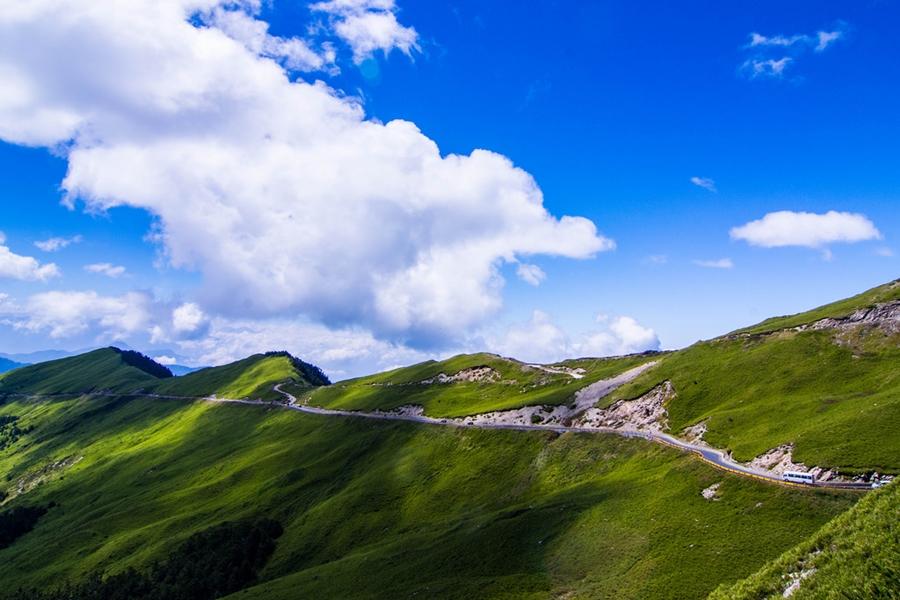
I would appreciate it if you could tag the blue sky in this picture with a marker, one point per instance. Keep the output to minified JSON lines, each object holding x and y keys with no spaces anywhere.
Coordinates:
{"x":611,"y":107}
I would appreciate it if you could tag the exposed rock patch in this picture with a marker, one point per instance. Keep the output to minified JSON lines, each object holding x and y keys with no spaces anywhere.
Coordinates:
{"x":28,"y":482}
{"x":694,"y":433}
{"x":407,"y":410}
{"x":647,"y":413}
{"x":471,"y":375}
{"x":781,"y":459}
{"x":573,"y":373}
{"x":558,"y":415}
{"x":794,"y":581}
{"x":712,"y":492}
{"x":882,"y":316}
{"x":528,"y":415}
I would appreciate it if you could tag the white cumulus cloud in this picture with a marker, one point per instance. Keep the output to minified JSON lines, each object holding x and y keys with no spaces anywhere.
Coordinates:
{"x":24,"y":268}
{"x":540,"y":339}
{"x":810,"y":230}
{"x":368,"y":26}
{"x":188,"y":318}
{"x":280,"y":192}
{"x":295,"y":53}
{"x":62,"y":314}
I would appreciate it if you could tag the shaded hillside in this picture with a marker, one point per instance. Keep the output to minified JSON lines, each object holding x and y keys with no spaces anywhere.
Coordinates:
{"x":252,"y":377}
{"x":857,"y":555}
{"x":472,"y":383}
{"x":383,"y":509}
{"x":106,"y":370}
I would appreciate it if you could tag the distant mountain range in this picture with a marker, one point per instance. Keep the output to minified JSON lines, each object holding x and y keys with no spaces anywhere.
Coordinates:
{"x":8,"y":365}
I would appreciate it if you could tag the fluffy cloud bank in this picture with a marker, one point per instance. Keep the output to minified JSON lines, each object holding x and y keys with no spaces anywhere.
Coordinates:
{"x":810,"y":230}
{"x":24,"y":268}
{"x":279,"y":191}
{"x":542,"y":340}
{"x":94,"y":318}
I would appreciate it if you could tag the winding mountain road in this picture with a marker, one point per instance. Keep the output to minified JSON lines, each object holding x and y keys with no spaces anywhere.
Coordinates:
{"x":715,"y":458}
{"x":585,"y":398}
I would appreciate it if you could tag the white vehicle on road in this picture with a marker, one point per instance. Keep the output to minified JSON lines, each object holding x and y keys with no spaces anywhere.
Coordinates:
{"x":798,"y":477}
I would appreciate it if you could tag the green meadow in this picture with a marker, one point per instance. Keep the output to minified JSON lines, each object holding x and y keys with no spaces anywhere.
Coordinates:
{"x":518,"y":385}
{"x":376,"y":509}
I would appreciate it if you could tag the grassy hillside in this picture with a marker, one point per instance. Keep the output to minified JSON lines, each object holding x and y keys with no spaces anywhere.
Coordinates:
{"x":515,"y":384}
{"x":106,"y":369}
{"x":117,"y":371}
{"x":883,"y":293}
{"x":834,"y":394}
{"x":252,"y":377}
{"x":854,"y":556}
{"x":382,"y":509}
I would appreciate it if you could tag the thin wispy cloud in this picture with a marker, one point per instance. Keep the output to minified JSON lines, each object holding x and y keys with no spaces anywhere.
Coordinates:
{"x":704,"y":182}
{"x":722,"y":263}
{"x":772,"y":55}
{"x":108,"y":269}
{"x":531,"y":274}
{"x":656,"y":259}
{"x":57,"y":243}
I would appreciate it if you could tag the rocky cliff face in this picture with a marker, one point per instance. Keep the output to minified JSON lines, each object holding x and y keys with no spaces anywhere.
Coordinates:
{"x":882,"y":316}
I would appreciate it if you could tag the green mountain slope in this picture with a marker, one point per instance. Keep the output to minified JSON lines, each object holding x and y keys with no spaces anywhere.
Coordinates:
{"x":480,"y":383}
{"x":106,"y":369}
{"x":110,"y":370}
{"x":252,"y":377}
{"x":385,"y":509}
{"x":857,"y":555}
{"x":889,"y":292}
{"x":832,"y":390}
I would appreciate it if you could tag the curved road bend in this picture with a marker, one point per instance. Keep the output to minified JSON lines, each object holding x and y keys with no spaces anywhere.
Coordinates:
{"x":714,"y":457}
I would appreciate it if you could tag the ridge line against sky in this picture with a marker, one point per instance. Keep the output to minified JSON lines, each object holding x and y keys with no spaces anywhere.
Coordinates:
{"x":237,"y":177}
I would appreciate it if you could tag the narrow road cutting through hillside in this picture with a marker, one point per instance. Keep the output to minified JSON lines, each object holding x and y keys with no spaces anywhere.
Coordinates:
{"x":711,"y":456}
{"x":588,"y":396}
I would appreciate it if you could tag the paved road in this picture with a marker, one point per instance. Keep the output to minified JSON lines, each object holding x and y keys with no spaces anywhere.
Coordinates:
{"x":714,"y":457}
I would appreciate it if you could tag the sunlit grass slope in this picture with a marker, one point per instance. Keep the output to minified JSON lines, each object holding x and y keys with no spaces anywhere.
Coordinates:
{"x":835,"y":395}
{"x":883,"y":293}
{"x":252,"y":377}
{"x":388,"y":510}
{"x":854,"y":556}
{"x":111,"y":370}
{"x":106,"y":369}
{"x":518,"y":385}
